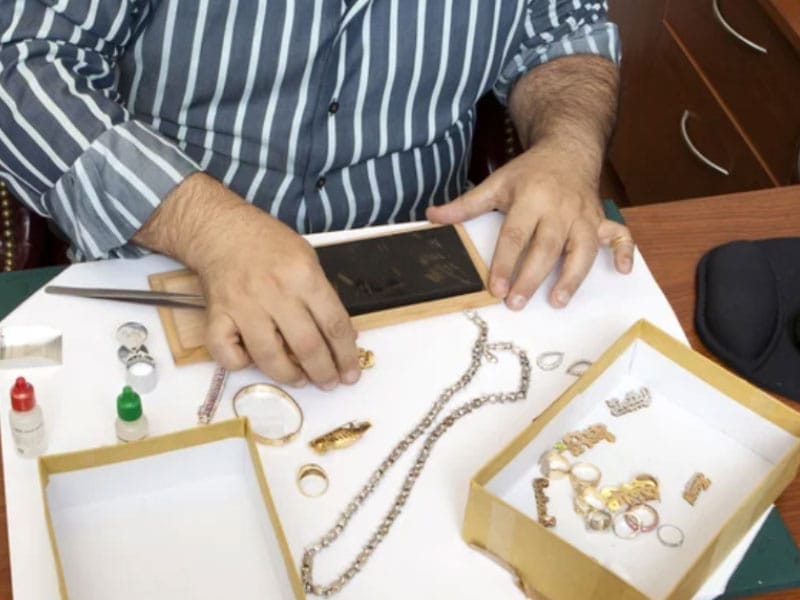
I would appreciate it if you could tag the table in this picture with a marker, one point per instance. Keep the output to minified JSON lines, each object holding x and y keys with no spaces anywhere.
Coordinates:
{"x":672,"y":237}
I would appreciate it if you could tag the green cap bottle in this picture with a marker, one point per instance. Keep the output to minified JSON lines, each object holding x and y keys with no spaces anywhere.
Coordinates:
{"x":129,"y":405}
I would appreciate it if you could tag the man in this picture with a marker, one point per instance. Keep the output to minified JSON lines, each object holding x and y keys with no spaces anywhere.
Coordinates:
{"x":214,"y":131}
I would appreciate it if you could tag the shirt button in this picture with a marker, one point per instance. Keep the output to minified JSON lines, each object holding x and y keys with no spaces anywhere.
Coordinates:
{"x":333,"y":107}
{"x":320,"y":183}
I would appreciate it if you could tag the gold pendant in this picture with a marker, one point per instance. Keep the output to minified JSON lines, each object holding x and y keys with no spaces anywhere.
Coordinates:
{"x":341,"y":437}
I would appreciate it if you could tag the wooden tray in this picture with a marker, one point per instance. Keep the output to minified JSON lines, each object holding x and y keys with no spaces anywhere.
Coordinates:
{"x":185,"y":327}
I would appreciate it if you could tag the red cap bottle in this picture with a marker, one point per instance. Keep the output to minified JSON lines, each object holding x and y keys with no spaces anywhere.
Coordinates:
{"x":23,"y":398}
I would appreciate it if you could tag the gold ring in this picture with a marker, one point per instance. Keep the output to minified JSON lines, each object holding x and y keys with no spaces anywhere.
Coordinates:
{"x":584,"y":475}
{"x":553,"y":465}
{"x":311,"y":470}
{"x":621,"y":239}
{"x":598,"y":520}
{"x":254,"y":391}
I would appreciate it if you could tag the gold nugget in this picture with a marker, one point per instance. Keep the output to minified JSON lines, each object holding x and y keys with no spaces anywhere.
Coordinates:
{"x":341,"y":437}
{"x":539,"y":484}
{"x":366,"y":359}
{"x":694,"y":486}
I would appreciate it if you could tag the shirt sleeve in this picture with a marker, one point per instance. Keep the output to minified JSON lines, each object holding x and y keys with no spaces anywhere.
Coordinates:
{"x":556,"y":28}
{"x":69,"y":149}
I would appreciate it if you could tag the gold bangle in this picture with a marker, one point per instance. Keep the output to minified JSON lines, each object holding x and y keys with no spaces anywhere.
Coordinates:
{"x":261,"y":388}
{"x":311,"y":470}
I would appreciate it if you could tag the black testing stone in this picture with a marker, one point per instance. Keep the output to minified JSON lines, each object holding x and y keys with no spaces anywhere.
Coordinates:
{"x":399,"y":270}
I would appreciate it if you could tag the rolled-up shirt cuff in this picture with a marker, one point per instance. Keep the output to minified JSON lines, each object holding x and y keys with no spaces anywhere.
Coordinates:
{"x":113,"y":188}
{"x":598,"y":39}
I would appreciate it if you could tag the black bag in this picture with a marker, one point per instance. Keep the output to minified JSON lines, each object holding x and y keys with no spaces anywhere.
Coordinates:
{"x":748,"y":310}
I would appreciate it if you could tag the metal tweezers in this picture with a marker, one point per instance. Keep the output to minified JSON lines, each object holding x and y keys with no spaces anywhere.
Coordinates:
{"x":139,"y":296}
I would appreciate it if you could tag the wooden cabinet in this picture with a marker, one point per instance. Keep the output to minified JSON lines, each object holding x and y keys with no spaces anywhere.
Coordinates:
{"x":710,"y":99}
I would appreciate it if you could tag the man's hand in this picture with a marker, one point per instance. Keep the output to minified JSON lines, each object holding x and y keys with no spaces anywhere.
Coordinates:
{"x":268,"y":299}
{"x":551,"y":209}
{"x":563,"y":111}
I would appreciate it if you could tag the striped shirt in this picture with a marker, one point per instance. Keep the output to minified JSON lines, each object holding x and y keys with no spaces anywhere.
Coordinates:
{"x":328,"y":114}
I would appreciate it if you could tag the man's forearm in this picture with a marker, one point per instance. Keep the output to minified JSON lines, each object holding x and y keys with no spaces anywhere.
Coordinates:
{"x":570,"y":102}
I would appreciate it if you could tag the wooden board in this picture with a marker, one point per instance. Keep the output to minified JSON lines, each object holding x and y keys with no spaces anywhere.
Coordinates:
{"x":185,"y":327}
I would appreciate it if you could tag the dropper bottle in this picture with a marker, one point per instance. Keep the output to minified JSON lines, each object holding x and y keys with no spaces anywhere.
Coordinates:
{"x":26,"y":419}
{"x":131,"y":423}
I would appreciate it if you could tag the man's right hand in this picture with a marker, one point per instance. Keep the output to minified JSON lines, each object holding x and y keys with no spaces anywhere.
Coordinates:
{"x":269,"y":301}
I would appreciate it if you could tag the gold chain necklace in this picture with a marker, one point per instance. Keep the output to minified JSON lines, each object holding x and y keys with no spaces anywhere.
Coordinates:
{"x":480,"y":350}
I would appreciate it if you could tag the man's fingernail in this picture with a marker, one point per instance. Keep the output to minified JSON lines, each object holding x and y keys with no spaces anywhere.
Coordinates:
{"x":516,"y":301}
{"x":625,"y":264}
{"x":299,"y":383}
{"x":327,"y":387}
{"x":562,"y":297}
{"x":351,"y":376}
{"x":500,"y":287}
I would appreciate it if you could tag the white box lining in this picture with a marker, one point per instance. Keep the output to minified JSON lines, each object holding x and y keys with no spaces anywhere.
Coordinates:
{"x":203,"y":508}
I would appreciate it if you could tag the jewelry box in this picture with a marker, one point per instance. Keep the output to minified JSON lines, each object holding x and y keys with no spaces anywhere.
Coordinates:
{"x":712,"y":451}
{"x":182,"y":515}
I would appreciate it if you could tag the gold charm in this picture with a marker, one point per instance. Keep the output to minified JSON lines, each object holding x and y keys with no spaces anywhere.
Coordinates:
{"x":341,"y":437}
{"x":643,"y":489}
{"x":694,"y":486}
{"x":539,"y":484}
{"x":576,"y":440}
{"x":366,"y":359}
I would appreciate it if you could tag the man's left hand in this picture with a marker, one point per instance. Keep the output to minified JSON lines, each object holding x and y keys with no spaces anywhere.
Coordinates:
{"x":551,"y":209}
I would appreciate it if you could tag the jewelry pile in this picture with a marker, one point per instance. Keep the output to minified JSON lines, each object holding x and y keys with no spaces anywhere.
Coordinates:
{"x":625,"y":509}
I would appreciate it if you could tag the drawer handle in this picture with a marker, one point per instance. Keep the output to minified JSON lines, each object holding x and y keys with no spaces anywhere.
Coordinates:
{"x":721,"y":18}
{"x":699,"y":155}
{"x":798,"y":165}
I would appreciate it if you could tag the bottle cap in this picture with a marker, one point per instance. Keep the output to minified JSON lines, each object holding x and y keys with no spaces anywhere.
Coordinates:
{"x":129,"y":405}
{"x":23,"y":398}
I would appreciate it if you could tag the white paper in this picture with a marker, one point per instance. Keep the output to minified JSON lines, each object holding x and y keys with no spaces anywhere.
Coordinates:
{"x":423,"y":556}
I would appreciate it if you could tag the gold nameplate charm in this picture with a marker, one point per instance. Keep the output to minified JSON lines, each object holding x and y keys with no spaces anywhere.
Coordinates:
{"x":577,"y":442}
{"x":341,"y":437}
{"x":694,"y":486}
{"x":643,"y":489}
{"x":539,"y":484}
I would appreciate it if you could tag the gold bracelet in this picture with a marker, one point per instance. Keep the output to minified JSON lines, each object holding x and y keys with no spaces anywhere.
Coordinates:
{"x":273,"y":390}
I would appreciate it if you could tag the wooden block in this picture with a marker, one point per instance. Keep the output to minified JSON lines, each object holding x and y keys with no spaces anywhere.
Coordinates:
{"x":433,"y":264}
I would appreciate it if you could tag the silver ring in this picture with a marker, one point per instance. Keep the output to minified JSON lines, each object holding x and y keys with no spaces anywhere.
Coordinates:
{"x":674,"y":539}
{"x":644,"y":526}
{"x":624,"y":518}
